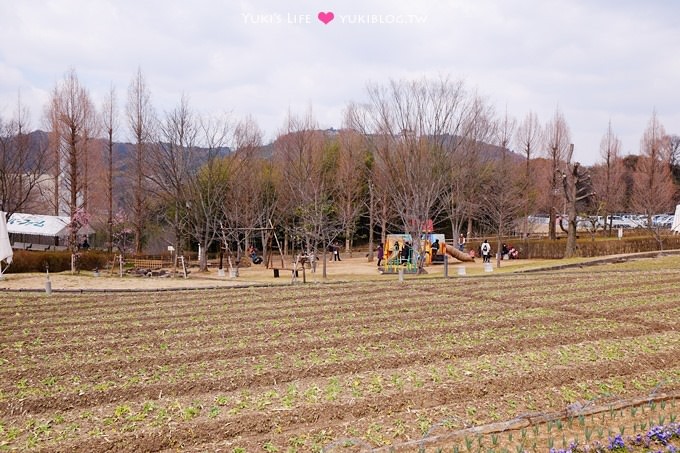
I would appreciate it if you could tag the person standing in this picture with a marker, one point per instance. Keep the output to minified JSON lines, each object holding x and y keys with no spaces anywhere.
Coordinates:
{"x":336,"y":252}
{"x":486,"y":251}
{"x":381,"y":252}
{"x":434,"y":249}
{"x":461,"y":242}
{"x":406,"y":253}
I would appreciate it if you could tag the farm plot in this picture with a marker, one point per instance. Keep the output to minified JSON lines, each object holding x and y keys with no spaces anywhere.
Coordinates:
{"x":519,"y":362}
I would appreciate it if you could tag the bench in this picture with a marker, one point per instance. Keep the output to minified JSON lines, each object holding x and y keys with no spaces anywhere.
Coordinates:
{"x":278,"y":269}
{"x":301,"y":262}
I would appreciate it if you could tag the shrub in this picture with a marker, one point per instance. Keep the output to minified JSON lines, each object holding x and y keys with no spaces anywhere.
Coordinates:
{"x":27,"y":261}
{"x":547,"y":249}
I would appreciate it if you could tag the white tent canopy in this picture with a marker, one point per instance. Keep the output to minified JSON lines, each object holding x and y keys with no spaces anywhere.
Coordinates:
{"x":6,"y":252}
{"x":42,"y":225}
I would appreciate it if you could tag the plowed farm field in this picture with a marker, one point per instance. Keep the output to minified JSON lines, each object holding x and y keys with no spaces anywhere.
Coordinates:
{"x":519,"y":362}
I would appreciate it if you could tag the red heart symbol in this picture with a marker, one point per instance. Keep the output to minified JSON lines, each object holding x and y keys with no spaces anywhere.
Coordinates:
{"x":326,"y":17}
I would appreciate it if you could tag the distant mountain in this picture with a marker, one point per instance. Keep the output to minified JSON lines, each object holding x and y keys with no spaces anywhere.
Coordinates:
{"x":121,"y":150}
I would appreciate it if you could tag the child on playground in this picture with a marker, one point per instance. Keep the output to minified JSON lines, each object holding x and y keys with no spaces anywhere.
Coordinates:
{"x":434,"y":247}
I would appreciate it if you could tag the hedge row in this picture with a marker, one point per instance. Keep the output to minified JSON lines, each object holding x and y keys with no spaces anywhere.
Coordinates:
{"x":586,"y":247}
{"x":27,"y":261}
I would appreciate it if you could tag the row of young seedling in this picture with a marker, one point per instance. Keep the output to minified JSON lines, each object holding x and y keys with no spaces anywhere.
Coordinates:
{"x":646,"y":427}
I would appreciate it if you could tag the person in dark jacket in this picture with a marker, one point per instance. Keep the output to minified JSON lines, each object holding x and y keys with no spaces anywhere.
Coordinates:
{"x":434,"y":249}
{"x":406,"y":253}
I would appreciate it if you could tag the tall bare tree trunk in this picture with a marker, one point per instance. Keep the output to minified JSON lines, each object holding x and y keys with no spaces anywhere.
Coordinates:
{"x":73,"y":183}
{"x":371,"y":221}
{"x":55,"y":143}
{"x":140,"y":117}
{"x":109,"y":192}
{"x":74,"y":115}
{"x":557,"y":144}
{"x":569,"y":180}
{"x":109,"y":123}
{"x":139,"y":207}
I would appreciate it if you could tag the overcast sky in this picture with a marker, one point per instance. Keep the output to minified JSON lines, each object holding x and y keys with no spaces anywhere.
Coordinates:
{"x":597,"y":60}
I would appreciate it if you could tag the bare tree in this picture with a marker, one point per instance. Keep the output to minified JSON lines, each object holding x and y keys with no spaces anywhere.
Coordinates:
{"x":23,"y":163}
{"x":74,"y":114}
{"x":502,"y":200}
{"x":378,"y":200}
{"x":250,"y":206}
{"x":141,"y":120}
{"x":110,"y":126}
{"x":469,"y":167}
{"x":608,"y":177}
{"x":350,"y":182}
{"x":175,"y":160}
{"x":268,"y":176}
{"x":412,"y":127}
{"x":557,"y":141}
{"x":674,"y":158}
{"x":653,"y":187}
{"x":302,"y":153}
{"x":91,"y":156}
{"x":246,"y":208}
{"x":246,"y":211}
{"x":506,"y":178}
{"x":574,"y":178}
{"x":51,"y":115}
{"x":529,"y":138}
{"x":207,"y":191}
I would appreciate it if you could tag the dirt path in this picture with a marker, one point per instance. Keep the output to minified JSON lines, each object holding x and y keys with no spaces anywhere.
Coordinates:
{"x":349,"y":269}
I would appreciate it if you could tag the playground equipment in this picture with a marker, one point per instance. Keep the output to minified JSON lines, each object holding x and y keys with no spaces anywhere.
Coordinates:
{"x":457,"y":254}
{"x":242,"y":237}
{"x":400,"y":255}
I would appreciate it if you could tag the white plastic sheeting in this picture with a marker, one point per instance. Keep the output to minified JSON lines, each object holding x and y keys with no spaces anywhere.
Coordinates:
{"x":676,"y":220}
{"x":6,"y":252}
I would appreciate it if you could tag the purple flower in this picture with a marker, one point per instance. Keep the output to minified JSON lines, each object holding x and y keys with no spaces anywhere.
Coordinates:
{"x":675,"y":428}
{"x":616,"y":443}
{"x":638,"y":440}
{"x":660,"y":434}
